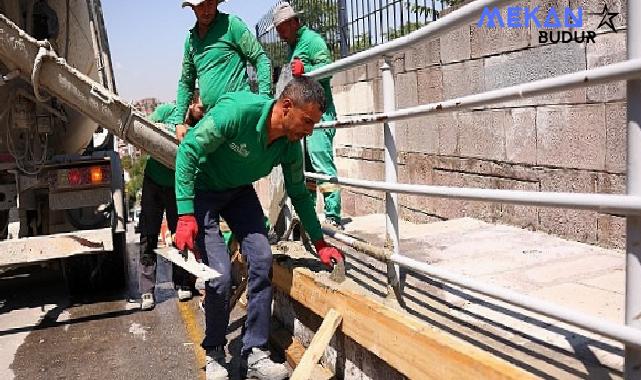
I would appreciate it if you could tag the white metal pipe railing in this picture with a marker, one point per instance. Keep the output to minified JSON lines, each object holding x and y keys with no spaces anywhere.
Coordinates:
{"x":633,"y":182}
{"x":612,"y":330}
{"x":612,"y":203}
{"x":466,"y":14}
{"x":617,"y":71}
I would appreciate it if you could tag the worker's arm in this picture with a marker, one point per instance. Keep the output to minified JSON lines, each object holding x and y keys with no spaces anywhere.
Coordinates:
{"x":251,"y":49}
{"x":199,"y":143}
{"x":318,"y":56}
{"x":186,"y":85}
{"x":294,"y":176}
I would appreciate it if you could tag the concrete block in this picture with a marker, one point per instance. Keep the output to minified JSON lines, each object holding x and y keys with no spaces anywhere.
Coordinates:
{"x":360,"y":73}
{"x":571,"y":136}
{"x":406,"y":96}
{"x":423,"y":135}
{"x":535,"y":64}
{"x":616,"y":137}
{"x":609,"y":48}
{"x":447,"y":133}
{"x":344,"y":136}
{"x":490,"y":41}
{"x":430,"y":85}
{"x":611,"y":231}
{"x":573,"y":224}
{"x":608,"y":183}
{"x":370,"y":136}
{"x":377,"y":93}
{"x":341,"y":99}
{"x":361,"y":98}
{"x":587,"y":299}
{"x":482,"y":134}
{"x":520,"y":136}
{"x":522,"y":216}
{"x":374,"y":68}
{"x":460,"y":79}
{"x":398,"y":62}
{"x":424,"y":54}
{"x":449,"y":209}
{"x":455,"y":45}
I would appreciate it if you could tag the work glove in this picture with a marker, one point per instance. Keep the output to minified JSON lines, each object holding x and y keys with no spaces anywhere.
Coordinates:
{"x":328,"y":255}
{"x":186,"y":232}
{"x":298,"y":68}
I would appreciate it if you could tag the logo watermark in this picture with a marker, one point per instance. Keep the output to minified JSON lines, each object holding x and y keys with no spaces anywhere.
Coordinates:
{"x":567,"y":18}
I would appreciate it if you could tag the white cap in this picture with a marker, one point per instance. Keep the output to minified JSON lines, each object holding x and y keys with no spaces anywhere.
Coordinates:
{"x":283,"y":12}
{"x":193,"y":3}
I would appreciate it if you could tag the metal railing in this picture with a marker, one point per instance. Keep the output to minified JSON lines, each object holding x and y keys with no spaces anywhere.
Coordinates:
{"x":628,"y":205}
{"x":351,"y":26}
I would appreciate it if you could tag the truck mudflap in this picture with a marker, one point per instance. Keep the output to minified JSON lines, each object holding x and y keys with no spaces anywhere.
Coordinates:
{"x":42,"y":248}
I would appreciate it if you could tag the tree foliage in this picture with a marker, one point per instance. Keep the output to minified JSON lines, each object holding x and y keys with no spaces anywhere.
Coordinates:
{"x":136,"y":169}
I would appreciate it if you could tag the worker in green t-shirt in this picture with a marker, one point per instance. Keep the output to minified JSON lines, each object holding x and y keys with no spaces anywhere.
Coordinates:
{"x":158,"y":198}
{"x":237,"y":143}
{"x":308,"y":52}
{"x":217,"y":50}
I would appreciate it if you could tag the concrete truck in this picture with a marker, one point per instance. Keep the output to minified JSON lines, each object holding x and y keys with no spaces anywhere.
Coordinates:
{"x":61,"y":181}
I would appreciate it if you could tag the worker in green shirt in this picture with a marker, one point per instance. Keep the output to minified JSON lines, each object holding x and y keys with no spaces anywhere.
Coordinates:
{"x":308,"y":51}
{"x":238,"y":142}
{"x":158,"y":198}
{"x":217,"y":50}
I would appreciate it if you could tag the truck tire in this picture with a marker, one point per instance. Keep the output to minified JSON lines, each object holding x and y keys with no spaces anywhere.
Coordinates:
{"x":98,"y":273}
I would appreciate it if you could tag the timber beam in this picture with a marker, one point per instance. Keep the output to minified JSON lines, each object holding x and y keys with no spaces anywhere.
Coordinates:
{"x":411,"y":346}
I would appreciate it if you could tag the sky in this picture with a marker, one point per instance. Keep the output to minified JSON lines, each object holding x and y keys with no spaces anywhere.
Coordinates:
{"x":147,"y":39}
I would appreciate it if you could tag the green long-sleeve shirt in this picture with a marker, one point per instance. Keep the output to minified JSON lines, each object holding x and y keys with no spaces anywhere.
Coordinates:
{"x":219,"y":62}
{"x":232,"y":139}
{"x":158,"y":172}
{"x":313,"y":51}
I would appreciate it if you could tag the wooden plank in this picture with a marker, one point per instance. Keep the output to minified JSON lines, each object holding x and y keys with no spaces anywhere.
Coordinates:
{"x":316,"y":348}
{"x":413,"y":347}
{"x":192,"y":266}
{"x":294,"y":351}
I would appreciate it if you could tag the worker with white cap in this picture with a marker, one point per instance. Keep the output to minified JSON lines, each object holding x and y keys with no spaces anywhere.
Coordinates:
{"x":217,"y":50}
{"x":308,"y":51}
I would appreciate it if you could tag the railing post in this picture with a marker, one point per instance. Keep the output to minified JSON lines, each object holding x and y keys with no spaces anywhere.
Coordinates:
{"x":633,"y":223}
{"x":394,"y":278}
{"x":343,"y":27}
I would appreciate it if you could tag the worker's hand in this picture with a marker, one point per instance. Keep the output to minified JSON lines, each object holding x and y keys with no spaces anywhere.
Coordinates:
{"x":298,"y":68}
{"x":186,"y":232}
{"x":195,"y":113}
{"x":328,"y":255}
{"x":181,"y":131}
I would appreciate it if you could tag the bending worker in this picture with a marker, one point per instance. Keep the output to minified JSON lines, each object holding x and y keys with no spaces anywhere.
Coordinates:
{"x":217,"y":50}
{"x":308,"y":51}
{"x":238,"y":142}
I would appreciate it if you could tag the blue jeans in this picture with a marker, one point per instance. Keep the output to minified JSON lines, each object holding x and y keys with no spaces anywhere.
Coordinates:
{"x":242,"y":211}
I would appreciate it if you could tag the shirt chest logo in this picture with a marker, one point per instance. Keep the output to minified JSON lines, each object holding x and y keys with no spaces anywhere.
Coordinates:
{"x":241,"y":149}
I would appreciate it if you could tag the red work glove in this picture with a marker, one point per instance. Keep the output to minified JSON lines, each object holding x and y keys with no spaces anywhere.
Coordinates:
{"x":186,"y":232}
{"x":328,"y":255}
{"x":298,"y":68}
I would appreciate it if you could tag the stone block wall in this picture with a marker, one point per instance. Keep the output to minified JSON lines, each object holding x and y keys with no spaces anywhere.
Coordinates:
{"x":570,"y":141}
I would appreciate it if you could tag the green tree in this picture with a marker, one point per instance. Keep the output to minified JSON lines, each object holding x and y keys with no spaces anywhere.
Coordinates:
{"x":136,"y":170}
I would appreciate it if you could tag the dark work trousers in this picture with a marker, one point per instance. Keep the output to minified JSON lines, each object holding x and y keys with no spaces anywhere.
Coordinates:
{"x":242,"y":211}
{"x":157,"y":200}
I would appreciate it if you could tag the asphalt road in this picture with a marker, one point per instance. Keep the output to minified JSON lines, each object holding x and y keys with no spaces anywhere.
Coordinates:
{"x":47,"y":334}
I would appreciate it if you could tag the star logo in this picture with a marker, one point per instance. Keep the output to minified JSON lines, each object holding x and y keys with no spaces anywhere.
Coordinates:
{"x":607,"y":19}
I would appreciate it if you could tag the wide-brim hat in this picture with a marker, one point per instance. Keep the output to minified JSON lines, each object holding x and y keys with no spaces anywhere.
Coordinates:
{"x":283,"y":12}
{"x":193,"y":3}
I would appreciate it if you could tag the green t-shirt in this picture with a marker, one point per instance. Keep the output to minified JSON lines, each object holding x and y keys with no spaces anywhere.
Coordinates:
{"x":219,"y":62}
{"x":156,"y":171}
{"x":229,"y":148}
